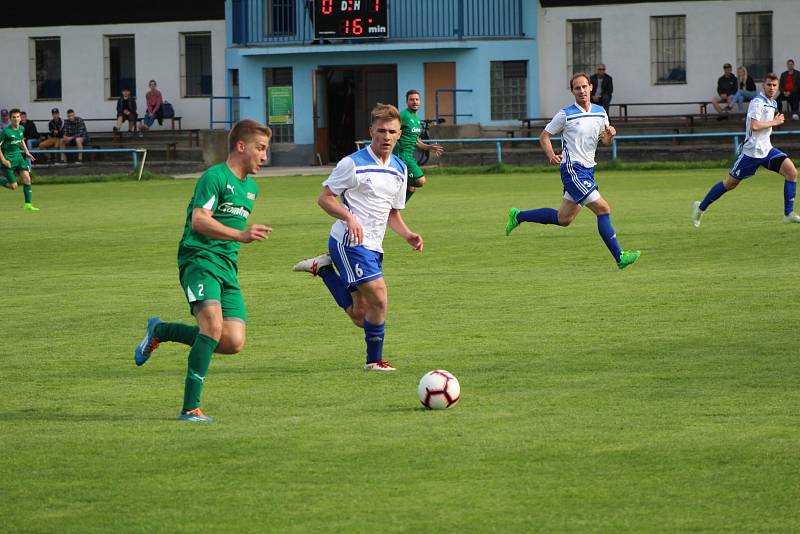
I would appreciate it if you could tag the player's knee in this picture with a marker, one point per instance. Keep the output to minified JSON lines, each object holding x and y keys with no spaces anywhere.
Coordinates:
{"x":791,"y":172}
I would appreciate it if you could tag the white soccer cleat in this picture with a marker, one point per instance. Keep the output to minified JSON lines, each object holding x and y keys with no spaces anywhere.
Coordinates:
{"x":791,"y":218}
{"x":696,"y":214}
{"x":312,"y":265}
{"x":380,"y":366}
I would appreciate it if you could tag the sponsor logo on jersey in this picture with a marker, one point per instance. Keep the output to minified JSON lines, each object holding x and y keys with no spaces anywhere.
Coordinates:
{"x":251,"y":196}
{"x":229,"y":186}
{"x":233,"y":210}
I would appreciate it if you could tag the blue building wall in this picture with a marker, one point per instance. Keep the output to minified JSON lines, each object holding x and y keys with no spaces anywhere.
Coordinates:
{"x":472,"y":59}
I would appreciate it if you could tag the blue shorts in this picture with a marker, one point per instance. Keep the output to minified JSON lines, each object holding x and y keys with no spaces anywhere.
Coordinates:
{"x":578,"y":181}
{"x":745,"y":166}
{"x":356,"y":265}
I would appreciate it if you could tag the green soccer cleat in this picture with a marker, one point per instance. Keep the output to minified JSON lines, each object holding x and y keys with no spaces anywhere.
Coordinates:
{"x":30,"y":207}
{"x":628,"y":257}
{"x":512,"y":220}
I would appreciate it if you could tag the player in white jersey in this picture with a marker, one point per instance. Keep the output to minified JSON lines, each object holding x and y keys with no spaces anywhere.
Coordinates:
{"x":371,"y":184}
{"x":581,"y":126}
{"x":757,"y":151}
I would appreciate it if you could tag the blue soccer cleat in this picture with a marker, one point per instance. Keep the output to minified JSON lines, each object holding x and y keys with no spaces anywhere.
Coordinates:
{"x":148,"y":344}
{"x":194,"y":416}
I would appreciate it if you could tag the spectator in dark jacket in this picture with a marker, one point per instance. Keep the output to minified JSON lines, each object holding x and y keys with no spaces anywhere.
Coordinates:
{"x":726,"y":88}
{"x":126,"y":110}
{"x":747,"y":88}
{"x":31,"y":133}
{"x":602,"y":87}
{"x":55,"y":129}
{"x":789,"y":88}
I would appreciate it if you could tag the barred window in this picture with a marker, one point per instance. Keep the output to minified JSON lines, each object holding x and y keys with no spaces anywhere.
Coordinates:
{"x":668,"y":50}
{"x":279,"y":77}
{"x":196,"y":64}
{"x":509,"y":87}
{"x":754,"y":43}
{"x":584,"y":49}
{"x":45,"y":66}
{"x":120,"y":64}
{"x":279,"y":18}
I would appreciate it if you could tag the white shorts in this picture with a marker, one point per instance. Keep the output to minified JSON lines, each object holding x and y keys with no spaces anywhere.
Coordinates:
{"x":591,"y":197}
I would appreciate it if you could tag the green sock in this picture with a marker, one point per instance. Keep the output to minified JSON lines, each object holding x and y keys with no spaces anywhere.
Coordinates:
{"x":199,"y":361}
{"x":182,"y":333}
{"x":26,"y":190}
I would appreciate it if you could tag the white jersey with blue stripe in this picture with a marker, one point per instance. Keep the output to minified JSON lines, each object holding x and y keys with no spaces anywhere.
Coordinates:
{"x":758,"y":144}
{"x":369,"y":189}
{"x":580,"y":131}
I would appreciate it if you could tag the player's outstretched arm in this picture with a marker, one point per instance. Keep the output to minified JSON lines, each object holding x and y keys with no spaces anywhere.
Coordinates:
{"x":4,"y":161}
{"x":204,"y":223}
{"x":400,"y":227}
{"x":27,"y":152}
{"x":607,"y":135}
{"x":432,"y":147}
{"x":547,"y":145}
{"x":757,"y":125}
{"x":330,"y":205}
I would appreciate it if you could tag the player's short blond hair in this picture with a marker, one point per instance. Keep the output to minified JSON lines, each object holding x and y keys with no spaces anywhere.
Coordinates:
{"x":384,"y":112}
{"x":579,"y":75}
{"x":771,"y":76}
{"x":245,"y":130}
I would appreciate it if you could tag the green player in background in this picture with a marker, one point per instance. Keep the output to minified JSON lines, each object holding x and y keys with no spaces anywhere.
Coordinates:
{"x":409,"y":140}
{"x":216,"y":223}
{"x":12,"y":148}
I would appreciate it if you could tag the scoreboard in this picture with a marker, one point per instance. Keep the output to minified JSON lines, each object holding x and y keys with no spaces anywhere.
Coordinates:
{"x":350,"y":19}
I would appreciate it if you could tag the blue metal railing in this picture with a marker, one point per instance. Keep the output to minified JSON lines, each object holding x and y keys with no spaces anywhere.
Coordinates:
{"x":229,"y":120}
{"x":133,"y":151}
{"x":291,"y":21}
{"x":455,"y":113}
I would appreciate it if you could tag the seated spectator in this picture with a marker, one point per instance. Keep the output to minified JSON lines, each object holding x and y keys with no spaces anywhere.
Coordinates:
{"x":30,"y":132}
{"x":75,"y":134}
{"x":747,"y":88}
{"x":602,"y":87}
{"x":55,"y":131}
{"x":5,"y":121}
{"x":726,"y":88}
{"x":789,"y":89}
{"x":154,"y":111}
{"x":126,"y":110}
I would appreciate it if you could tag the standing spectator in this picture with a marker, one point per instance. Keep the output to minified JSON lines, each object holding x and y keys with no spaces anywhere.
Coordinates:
{"x":126,"y":110}
{"x":5,"y":122}
{"x":31,"y":133}
{"x":153,"y":112}
{"x":602,"y":87}
{"x":726,"y":88}
{"x":55,"y":131}
{"x":789,"y":88}
{"x":747,"y":88}
{"x":74,"y":134}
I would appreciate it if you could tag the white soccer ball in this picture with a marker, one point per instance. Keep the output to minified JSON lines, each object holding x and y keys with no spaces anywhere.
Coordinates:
{"x":439,"y":390}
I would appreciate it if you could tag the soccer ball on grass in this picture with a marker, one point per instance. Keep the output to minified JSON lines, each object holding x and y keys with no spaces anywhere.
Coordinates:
{"x":439,"y":390}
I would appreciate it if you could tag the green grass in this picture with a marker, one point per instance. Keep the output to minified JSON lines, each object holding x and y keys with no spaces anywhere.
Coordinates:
{"x":660,"y":398}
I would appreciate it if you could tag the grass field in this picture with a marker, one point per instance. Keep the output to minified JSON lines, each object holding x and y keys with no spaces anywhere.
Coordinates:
{"x":664,"y":397}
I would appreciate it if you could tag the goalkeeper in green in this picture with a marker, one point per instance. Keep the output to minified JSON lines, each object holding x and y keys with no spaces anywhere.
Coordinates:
{"x":409,"y":140}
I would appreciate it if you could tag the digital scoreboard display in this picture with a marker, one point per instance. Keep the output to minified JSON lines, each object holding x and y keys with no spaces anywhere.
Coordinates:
{"x":350,"y":19}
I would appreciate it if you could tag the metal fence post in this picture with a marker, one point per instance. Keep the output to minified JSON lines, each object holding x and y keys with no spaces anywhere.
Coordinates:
{"x":614,"y":149}
{"x":736,"y":145}
{"x":499,"y":153}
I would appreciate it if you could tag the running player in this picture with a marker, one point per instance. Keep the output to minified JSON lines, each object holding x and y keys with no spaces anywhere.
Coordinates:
{"x":372,"y":185}
{"x":757,"y":151}
{"x":12,"y":148}
{"x":581,"y":126}
{"x":216,"y":223}
{"x":409,"y":140}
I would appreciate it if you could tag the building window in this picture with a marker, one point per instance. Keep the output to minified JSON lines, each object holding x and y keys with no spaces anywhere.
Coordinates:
{"x":584,"y":50}
{"x":120,"y":65}
{"x":45,"y":60}
{"x":509,"y":86}
{"x":279,"y":18}
{"x":668,"y":50}
{"x":235,"y":104}
{"x":279,"y":77}
{"x":196,"y":64}
{"x":754,"y":43}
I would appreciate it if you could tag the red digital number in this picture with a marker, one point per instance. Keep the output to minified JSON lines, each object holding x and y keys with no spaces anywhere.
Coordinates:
{"x":376,"y":8}
{"x":327,"y":7}
{"x":358,"y":29}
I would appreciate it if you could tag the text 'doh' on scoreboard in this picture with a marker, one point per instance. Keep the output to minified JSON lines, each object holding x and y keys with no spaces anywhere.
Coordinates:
{"x":350,"y":19}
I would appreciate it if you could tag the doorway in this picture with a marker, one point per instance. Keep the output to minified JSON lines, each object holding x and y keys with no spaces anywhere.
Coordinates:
{"x":343,"y":99}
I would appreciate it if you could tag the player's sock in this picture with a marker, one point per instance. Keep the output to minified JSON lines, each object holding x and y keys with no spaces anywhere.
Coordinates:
{"x":608,"y":235}
{"x":541,"y":216}
{"x":789,"y":190}
{"x":180,"y":332}
{"x":199,"y":361}
{"x":26,"y":190}
{"x":373,"y":334}
{"x":335,"y":285}
{"x":716,"y":191}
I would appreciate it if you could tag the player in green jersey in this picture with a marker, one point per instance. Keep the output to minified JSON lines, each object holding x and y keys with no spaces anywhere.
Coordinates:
{"x":216,"y":223}
{"x":409,"y":140}
{"x":15,"y":158}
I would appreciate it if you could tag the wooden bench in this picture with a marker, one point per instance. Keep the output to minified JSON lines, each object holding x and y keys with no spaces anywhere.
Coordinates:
{"x":623,"y":107}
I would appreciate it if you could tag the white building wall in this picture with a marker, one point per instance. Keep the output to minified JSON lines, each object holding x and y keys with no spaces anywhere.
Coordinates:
{"x":625,"y":35}
{"x":157,"y":49}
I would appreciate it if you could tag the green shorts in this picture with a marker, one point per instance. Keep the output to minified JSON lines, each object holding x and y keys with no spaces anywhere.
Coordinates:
{"x":414,"y":172}
{"x":18,"y":164}
{"x":204,"y":283}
